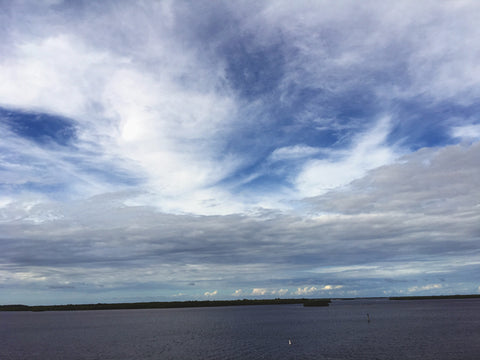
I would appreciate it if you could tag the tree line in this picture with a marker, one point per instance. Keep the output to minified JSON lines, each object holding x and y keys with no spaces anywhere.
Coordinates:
{"x":165,"y":305}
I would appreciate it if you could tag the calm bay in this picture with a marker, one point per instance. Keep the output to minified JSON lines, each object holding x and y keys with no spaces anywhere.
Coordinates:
{"x":414,"y":329}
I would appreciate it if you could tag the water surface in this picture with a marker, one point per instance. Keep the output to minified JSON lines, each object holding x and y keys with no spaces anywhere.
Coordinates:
{"x":417,"y":329}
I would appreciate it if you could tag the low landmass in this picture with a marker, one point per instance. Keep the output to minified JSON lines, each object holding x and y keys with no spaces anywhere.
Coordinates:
{"x":209,"y":303}
{"x":316,"y":302}
{"x":164,"y":305}
{"x":434,"y":297}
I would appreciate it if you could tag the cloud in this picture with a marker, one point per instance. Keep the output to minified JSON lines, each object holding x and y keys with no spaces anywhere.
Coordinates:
{"x":128,"y":89}
{"x":368,"y":152}
{"x":264,"y":291}
{"x":313,"y":289}
{"x":467,"y":132}
{"x":237,"y":292}
{"x":280,"y":292}
{"x":331,"y":287}
{"x":362,"y":234}
{"x":50,"y":77}
{"x":380,"y":45}
{"x":434,"y":182}
{"x":126,"y":111}
{"x":211,"y":293}
{"x":425,"y":287}
{"x":293,"y":152}
{"x":257,"y":146}
{"x":259,"y":291}
{"x":306,"y":290}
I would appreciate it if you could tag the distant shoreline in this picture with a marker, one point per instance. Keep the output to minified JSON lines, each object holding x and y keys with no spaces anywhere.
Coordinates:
{"x":435,"y":297}
{"x":213,"y":303}
{"x":164,"y":305}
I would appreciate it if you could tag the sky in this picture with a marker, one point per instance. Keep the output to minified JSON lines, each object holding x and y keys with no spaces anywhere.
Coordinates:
{"x":179,"y":150}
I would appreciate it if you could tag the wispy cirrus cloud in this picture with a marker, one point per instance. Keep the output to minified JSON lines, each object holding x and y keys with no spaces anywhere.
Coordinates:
{"x":467,"y":132}
{"x":368,"y":151}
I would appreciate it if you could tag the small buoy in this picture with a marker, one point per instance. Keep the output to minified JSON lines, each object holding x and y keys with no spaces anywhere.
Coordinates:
{"x":289,"y":342}
{"x":368,"y":317}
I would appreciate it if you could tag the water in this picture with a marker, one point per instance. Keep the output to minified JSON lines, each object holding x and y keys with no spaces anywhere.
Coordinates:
{"x":439,"y":329}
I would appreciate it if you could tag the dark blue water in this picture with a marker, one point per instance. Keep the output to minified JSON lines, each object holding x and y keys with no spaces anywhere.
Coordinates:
{"x":439,"y":329}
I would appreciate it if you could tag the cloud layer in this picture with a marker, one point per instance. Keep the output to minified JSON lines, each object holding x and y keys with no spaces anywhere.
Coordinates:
{"x":177,"y":150}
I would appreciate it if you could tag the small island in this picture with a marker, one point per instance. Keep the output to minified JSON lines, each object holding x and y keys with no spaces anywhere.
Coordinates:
{"x":316,"y":302}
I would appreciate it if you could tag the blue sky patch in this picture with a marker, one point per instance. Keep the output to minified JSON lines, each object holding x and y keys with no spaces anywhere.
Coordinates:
{"x":41,"y":128}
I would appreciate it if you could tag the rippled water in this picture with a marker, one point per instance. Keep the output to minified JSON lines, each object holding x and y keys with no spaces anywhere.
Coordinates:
{"x":439,"y":329}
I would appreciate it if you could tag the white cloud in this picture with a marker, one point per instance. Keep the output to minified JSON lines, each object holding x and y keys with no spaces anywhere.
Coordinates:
{"x":172,"y":143}
{"x":306,"y":290}
{"x":404,"y":269}
{"x":259,"y":291}
{"x":293,"y":152}
{"x":367,"y":152}
{"x":313,"y":289}
{"x":467,"y":132}
{"x":425,"y":287}
{"x":211,"y":293}
{"x":280,"y":292}
{"x":40,"y":72}
{"x":331,"y":287}
{"x":433,"y":68}
{"x":238,"y":292}
{"x":129,"y":113}
{"x":436,"y":56}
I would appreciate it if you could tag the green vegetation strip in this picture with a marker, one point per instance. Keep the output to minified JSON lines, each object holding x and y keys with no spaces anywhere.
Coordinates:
{"x":164,"y":305}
